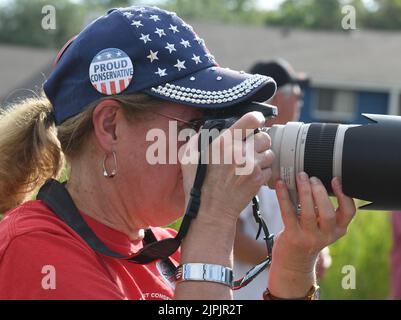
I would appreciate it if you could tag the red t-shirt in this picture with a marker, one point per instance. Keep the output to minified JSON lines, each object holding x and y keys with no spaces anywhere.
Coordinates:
{"x":42,"y":258}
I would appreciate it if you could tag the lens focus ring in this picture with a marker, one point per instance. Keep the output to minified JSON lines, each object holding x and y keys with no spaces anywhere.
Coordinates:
{"x":319,"y":151}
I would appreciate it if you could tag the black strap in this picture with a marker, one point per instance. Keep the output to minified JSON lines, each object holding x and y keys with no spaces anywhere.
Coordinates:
{"x":195,"y":195}
{"x":269,"y":239}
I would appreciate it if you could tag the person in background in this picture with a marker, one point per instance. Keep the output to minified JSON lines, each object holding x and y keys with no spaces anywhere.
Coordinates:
{"x":247,"y":251}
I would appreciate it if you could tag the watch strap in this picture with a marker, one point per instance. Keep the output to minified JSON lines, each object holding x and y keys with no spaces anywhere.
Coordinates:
{"x":313,"y":294}
{"x":205,"y":272}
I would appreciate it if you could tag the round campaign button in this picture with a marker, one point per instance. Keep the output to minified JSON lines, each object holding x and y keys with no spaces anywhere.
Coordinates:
{"x":111,"y":71}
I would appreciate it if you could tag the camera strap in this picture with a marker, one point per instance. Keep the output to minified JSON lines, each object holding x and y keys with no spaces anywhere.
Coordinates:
{"x":56,"y":197}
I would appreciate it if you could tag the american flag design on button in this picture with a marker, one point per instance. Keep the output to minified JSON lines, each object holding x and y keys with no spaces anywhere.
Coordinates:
{"x":111,"y":71}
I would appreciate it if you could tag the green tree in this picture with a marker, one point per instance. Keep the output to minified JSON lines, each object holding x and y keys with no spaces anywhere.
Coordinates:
{"x":385,"y":15}
{"x":316,"y":14}
{"x":21,"y":22}
{"x":90,"y":5}
{"x":326,"y":14}
{"x":243,"y":11}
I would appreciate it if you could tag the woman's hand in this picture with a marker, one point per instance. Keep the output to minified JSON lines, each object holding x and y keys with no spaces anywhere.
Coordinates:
{"x":245,"y":161}
{"x":225,"y":194}
{"x":305,"y":235}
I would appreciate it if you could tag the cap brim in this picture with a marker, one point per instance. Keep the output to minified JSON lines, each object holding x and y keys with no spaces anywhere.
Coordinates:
{"x":216,"y":87}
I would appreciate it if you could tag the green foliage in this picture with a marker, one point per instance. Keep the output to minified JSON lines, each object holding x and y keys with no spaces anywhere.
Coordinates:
{"x":175,"y":225}
{"x":308,"y":13}
{"x":327,"y":14}
{"x":237,"y":11}
{"x":21,"y":22}
{"x":366,"y":247}
{"x":387,"y":15}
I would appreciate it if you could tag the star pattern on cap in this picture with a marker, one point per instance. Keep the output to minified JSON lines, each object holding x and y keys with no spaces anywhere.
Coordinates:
{"x":137,"y":23}
{"x":161,"y":72}
{"x":210,"y":57}
{"x":173,"y":28}
{"x":154,"y":17}
{"x":180,"y":65}
{"x":188,"y":50}
{"x":186,"y":25}
{"x":128,"y":14}
{"x":152,"y":56}
{"x":196,"y":58}
{"x":185,"y":43}
{"x":145,"y":38}
{"x":160,"y":32}
{"x":199,"y":40}
{"x":170,"y":47}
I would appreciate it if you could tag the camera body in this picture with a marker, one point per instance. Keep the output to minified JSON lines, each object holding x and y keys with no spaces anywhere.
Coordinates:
{"x":226,"y":117}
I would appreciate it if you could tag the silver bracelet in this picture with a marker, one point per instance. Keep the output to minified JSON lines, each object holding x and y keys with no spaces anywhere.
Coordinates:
{"x":205,"y":272}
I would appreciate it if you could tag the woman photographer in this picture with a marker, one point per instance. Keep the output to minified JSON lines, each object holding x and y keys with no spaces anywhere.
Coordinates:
{"x":130,"y":71}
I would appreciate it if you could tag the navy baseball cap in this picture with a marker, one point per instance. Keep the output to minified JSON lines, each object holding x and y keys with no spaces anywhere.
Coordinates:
{"x":148,"y":50}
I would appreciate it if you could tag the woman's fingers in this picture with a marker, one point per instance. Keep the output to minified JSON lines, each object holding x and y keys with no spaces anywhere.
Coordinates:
{"x":262,"y":141}
{"x":287,"y":209}
{"x":265,"y":159}
{"x":346,"y":206}
{"x":266,"y":175}
{"x":308,"y":214}
{"x":327,"y":215}
{"x":246,"y":125}
{"x":318,"y":224}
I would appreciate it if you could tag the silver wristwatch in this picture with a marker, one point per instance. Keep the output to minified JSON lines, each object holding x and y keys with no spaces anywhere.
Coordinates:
{"x":205,"y":272}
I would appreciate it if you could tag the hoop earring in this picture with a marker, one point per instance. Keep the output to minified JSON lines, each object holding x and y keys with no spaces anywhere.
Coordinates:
{"x":113,"y":172}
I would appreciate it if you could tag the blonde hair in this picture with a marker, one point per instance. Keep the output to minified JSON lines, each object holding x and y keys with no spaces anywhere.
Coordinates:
{"x":33,"y":149}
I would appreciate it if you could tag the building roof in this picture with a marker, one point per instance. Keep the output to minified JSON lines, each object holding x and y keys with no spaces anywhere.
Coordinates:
{"x":357,"y":58}
{"x":23,"y":68}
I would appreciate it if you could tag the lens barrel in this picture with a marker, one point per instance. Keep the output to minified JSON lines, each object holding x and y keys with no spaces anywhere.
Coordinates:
{"x":366,"y":157}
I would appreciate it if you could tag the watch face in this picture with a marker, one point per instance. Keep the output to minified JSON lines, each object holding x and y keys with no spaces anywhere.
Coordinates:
{"x":167,"y":272}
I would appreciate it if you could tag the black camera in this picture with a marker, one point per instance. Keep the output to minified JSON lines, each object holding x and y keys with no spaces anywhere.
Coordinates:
{"x":366,"y":157}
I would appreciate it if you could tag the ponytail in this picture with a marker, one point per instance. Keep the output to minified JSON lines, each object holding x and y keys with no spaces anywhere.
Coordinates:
{"x":30,"y":151}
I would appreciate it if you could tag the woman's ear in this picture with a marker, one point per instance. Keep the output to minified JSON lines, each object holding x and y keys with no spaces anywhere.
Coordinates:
{"x":105,"y":119}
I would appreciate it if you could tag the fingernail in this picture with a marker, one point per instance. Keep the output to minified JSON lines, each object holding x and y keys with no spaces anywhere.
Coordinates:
{"x":337,"y":182}
{"x":314,"y":180}
{"x":303,"y":176}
